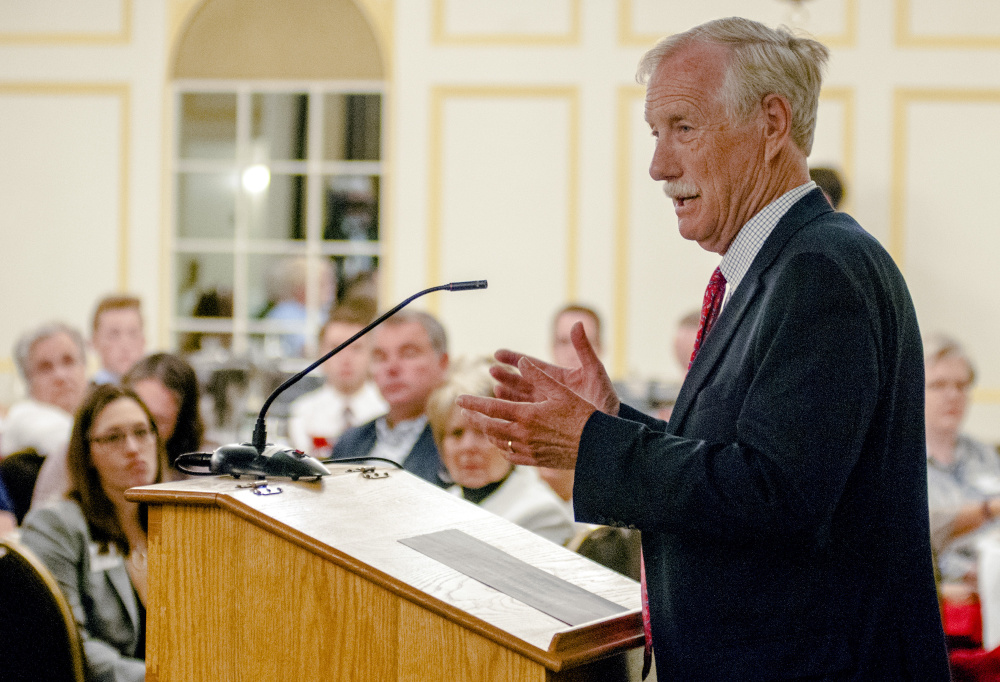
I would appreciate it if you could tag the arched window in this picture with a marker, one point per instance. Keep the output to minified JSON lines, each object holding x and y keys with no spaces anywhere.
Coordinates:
{"x":277,"y":170}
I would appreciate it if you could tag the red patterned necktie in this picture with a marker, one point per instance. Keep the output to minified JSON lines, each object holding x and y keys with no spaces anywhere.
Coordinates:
{"x":647,"y":627}
{"x":710,"y":307}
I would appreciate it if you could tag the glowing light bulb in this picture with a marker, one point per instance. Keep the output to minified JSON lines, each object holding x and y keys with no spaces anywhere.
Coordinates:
{"x":256,"y":178}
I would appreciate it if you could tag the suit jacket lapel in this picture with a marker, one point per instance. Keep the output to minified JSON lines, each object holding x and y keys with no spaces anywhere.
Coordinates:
{"x":719,"y":337}
{"x":118,"y":577}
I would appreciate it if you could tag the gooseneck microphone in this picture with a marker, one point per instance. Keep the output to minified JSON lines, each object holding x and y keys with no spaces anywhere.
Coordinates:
{"x":260,"y":458}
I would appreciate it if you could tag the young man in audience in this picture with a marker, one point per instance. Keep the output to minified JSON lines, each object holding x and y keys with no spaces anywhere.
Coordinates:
{"x":348,"y":397}
{"x":51,"y":360}
{"x":410,"y":360}
{"x":118,"y":336}
{"x":683,"y":346}
{"x":564,"y":355}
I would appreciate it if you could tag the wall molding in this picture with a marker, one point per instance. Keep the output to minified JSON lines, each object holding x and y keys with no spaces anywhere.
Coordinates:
{"x":441,"y":37}
{"x":121,"y":91}
{"x":904,"y":36}
{"x":439,"y":97}
{"x":903,"y":99}
{"x":122,"y":37}
{"x":628,"y":38}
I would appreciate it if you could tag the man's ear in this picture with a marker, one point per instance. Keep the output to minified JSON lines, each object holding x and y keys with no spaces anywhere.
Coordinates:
{"x":777,"y":124}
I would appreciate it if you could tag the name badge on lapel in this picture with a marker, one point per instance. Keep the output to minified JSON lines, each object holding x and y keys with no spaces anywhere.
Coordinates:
{"x":103,"y":561}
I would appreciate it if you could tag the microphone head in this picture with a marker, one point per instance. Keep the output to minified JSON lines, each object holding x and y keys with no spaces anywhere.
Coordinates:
{"x":465,"y":286}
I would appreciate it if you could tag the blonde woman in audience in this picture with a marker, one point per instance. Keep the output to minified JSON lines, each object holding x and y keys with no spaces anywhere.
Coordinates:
{"x":481,"y":473}
{"x":94,"y":540}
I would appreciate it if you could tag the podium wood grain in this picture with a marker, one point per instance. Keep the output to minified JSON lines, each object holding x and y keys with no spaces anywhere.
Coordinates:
{"x":312,"y":584}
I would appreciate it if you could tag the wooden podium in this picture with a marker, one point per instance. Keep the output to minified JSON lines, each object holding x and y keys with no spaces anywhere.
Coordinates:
{"x":314,"y":583}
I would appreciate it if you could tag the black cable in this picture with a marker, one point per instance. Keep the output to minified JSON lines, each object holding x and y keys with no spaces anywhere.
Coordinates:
{"x":355,"y":460}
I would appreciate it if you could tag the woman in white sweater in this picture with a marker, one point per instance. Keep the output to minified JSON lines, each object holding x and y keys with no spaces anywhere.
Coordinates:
{"x":481,"y":473}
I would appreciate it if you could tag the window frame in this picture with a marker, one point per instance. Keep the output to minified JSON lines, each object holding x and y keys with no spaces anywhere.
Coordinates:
{"x":241,"y":247}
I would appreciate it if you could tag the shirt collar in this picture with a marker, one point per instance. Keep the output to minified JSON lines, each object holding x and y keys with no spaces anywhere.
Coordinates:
{"x":752,"y":236}
{"x":402,"y":430}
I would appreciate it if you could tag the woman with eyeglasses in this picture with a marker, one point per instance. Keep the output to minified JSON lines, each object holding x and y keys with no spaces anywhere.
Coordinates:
{"x":94,"y":540}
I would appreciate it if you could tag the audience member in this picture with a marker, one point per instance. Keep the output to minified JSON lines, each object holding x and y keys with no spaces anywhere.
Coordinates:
{"x":687,"y":331}
{"x":563,"y":354}
{"x":217,"y":303}
{"x":828,"y":180}
{"x":683,"y":347}
{"x":347,"y":397}
{"x":481,"y":473}
{"x":562,"y":347}
{"x":168,"y":386}
{"x":363,"y":285}
{"x":94,"y":540}
{"x":963,"y":475}
{"x":118,"y":336}
{"x":288,"y":286}
{"x":410,"y":360}
{"x":51,"y":360}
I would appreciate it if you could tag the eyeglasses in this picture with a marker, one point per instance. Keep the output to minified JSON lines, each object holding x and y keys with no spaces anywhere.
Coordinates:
{"x":142,"y":434}
{"x":944,"y":384}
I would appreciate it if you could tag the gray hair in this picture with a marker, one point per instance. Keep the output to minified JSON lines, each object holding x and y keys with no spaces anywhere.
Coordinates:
{"x":22,"y":349}
{"x":762,"y":61}
{"x":435,"y":330}
{"x":466,"y":376}
{"x":939,"y":346}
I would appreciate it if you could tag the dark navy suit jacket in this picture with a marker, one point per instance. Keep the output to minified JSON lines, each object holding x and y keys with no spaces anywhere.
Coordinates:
{"x":783,"y":509}
{"x":423,"y":460}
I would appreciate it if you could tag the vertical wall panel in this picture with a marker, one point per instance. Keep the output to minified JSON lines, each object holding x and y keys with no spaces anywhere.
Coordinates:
{"x":949,"y":228}
{"x":80,"y":21}
{"x":61,"y":213}
{"x":503,"y":207}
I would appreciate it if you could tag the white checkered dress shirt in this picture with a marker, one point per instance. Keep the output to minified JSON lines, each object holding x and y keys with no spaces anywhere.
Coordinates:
{"x":748,"y":240}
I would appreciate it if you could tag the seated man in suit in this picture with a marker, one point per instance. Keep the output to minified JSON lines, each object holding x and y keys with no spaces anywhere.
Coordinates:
{"x":410,"y":360}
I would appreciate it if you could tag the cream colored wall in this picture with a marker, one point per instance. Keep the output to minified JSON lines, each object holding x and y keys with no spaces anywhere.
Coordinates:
{"x":81,"y":85}
{"x":516,"y":153}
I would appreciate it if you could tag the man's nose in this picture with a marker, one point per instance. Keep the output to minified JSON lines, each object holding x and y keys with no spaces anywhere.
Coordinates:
{"x":663,"y":164}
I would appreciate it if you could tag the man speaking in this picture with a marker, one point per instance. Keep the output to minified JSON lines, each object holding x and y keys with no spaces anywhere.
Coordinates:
{"x":783,"y":508}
